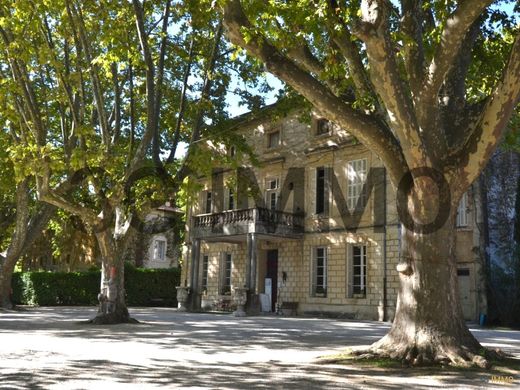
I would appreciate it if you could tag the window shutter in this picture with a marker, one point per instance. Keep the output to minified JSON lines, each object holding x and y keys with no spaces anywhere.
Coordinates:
{"x":349,"y":269}
{"x":328,"y":190}
{"x":313,"y":271}
{"x":462,"y":211}
{"x":312,"y":191}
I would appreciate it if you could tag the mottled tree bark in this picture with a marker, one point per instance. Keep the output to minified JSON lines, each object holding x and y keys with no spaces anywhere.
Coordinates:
{"x":28,"y":229}
{"x":112,"y":303}
{"x":429,"y":325}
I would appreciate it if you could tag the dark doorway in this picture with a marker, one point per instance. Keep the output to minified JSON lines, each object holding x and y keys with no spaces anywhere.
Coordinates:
{"x":272,"y":273}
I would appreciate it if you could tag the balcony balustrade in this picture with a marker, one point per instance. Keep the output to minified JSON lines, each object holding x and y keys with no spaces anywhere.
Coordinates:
{"x":253,"y":220}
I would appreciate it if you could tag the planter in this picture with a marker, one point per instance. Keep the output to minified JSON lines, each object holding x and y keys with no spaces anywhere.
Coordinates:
{"x":240,"y":299}
{"x":206,"y":304}
{"x":182,"y":297}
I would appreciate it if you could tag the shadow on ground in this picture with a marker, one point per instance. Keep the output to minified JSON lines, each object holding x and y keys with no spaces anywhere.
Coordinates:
{"x":47,"y":348}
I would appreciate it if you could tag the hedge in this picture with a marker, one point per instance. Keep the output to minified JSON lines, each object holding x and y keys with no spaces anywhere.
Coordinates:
{"x":144,"y":287}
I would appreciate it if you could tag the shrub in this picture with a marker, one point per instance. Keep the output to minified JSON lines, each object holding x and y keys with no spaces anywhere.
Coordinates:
{"x":144,"y":287}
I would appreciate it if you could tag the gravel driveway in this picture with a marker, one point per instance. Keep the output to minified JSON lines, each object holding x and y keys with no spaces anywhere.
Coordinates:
{"x":46,"y":348}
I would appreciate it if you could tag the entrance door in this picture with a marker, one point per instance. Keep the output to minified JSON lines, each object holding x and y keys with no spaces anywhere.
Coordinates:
{"x":466,"y":300}
{"x":272,"y":273}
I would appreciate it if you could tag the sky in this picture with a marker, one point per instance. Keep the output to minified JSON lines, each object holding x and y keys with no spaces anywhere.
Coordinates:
{"x":233,"y":100}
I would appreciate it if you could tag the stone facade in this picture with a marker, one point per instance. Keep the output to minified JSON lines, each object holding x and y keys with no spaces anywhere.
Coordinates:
{"x":157,"y":244}
{"x":313,"y":236}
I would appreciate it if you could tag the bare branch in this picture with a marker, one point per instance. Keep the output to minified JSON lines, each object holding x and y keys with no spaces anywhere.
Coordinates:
{"x":364,"y":127}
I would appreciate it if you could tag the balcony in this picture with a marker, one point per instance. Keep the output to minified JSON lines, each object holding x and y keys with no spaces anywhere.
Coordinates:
{"x":255,"y":220}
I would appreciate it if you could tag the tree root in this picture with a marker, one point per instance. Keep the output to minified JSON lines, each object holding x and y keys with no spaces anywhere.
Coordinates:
{"x":440,"y":354}
{"x":111,"y":319}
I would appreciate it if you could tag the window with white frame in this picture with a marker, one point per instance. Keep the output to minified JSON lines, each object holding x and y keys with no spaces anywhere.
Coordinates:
{"x":271,"y":193}
{"x":205,"y":267}
{"x":159,"y":249}
{"x":225,"y":281}
{"x":319,"y":272}
{"x":273,"y":139}
{"x":356,"y":178}
{"x":462,"y":211}
{"x":358,"y":271}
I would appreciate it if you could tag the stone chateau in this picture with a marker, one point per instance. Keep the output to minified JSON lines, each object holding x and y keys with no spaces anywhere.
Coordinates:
{"x":312,"y":228}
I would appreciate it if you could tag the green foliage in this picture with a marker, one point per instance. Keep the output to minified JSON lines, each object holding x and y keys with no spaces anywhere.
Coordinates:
{"x":151,"y":287}
{"x":144,"y":287}
{"x":56,"y":288}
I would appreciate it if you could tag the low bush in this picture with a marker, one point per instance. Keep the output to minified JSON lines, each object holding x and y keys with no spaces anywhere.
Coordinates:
{"x":144,"y":287}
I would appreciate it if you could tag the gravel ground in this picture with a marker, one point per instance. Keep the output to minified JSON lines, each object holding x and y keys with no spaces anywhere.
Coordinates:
{"x":46,"y":348}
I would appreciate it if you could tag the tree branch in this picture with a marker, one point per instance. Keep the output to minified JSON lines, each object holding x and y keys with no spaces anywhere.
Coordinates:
{"x":384,"y":73}
{"x":76,"y":18}
{"x":411,"y":23}
{"x":182,"y":104}
{"x":150,"y":87}
{"x":21,"y":77}
{"x":364,"y":127}
{"x":158,"y":90}
{"x":350,"y":52}
{"x":56,"y":197}
{"x":493,"y":121}
{"x":199,"y":119}
{"x":117,"y":104}
{"x":457,"y":24}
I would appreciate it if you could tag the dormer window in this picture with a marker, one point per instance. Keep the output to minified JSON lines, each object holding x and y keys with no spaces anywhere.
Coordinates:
{"x":323,"y":126}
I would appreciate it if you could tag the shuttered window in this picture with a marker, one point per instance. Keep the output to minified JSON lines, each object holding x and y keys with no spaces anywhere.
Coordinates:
{"x":319,"y":274}
{"x":205,"y":267}
{"x":225,"y":282}
{"x":356,"y":178}
{"x":462,"y":211}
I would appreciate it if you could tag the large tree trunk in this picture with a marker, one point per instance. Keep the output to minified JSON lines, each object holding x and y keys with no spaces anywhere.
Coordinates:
{"x":428,"y":325}
{"x":6,"y":273}
{"x":27,"y":230}
{"x":112,"y":303}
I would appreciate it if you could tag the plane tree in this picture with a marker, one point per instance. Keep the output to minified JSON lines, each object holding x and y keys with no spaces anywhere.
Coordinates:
{"x":412,"y":83}
{"x":101,"y":99}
